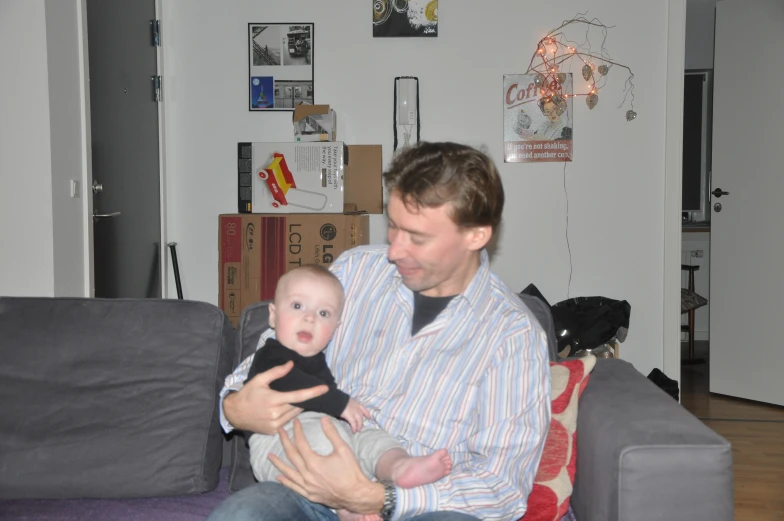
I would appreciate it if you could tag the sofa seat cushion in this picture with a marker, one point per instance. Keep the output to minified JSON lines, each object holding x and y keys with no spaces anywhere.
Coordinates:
{"x":552,"y":490}
{"x":110,"y":398}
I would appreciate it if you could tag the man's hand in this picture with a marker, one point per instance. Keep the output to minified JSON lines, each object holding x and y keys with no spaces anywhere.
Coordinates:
{"x":257,"y":408}
{"x":335,"y":480}
{"x":355,"y":414}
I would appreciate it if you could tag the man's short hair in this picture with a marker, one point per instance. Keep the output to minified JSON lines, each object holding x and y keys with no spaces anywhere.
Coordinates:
{"x":429,"y":175}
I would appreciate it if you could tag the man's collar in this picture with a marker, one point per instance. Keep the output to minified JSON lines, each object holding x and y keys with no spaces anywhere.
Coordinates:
{"x":477,"y":294}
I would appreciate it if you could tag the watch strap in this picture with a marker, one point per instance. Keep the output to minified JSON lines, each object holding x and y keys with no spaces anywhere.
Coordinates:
{"x":390,"y":502}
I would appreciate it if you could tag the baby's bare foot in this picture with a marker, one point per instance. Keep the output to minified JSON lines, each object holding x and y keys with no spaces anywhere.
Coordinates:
{"x":412,"y":472}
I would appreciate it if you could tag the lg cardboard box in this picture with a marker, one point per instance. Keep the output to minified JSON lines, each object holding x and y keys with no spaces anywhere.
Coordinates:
{"x":309,"y":178}
{"x":254,"y":250}
{"x":314,"y":123}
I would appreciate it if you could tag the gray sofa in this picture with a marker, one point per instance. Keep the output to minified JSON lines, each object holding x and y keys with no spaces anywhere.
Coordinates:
{"x":115,"y":401}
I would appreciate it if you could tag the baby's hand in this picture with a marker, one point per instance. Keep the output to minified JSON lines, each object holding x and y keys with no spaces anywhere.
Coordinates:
{"x":355,"y":414}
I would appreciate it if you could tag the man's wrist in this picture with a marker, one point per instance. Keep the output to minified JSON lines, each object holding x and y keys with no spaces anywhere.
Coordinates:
{"x":369,"y":501}
{"x":228,"y":411}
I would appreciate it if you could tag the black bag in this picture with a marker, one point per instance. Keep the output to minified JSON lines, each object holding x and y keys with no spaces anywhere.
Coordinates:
{"x":589,"y":322}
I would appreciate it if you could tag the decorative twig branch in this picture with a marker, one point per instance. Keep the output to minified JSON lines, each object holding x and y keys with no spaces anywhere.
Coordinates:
{"x":549,"y":74}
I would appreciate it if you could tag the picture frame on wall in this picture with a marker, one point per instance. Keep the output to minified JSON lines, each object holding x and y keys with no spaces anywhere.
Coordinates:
{"x":280,"y":65}
{"x":538,"y":127}
{"x":405,"y":18}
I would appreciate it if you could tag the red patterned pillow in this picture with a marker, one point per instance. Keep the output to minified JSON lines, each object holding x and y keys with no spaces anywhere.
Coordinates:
{"x":549,"y":499}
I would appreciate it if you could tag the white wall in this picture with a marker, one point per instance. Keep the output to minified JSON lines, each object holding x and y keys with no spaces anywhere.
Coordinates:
{"x":26,"y":248}
{"x":66,"y":108}
{"x":615,"y":184}
{"x":700,"y":21}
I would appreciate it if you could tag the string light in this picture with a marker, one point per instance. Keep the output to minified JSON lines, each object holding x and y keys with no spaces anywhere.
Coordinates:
{"x":550,"y":66}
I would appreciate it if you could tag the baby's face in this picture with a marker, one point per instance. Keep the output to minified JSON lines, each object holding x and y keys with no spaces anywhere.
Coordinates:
{"x":306,"y":312}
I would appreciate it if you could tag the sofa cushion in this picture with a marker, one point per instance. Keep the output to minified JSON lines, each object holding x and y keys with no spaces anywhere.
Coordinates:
{"x":253,"y":322}
{"x":110,"y":398}
{"x":549,"y":499}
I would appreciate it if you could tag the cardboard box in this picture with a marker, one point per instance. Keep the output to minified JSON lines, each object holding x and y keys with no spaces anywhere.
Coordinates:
{"x":254,"y":250}
{"x":327,"y":177}
{"x":315,"y":123}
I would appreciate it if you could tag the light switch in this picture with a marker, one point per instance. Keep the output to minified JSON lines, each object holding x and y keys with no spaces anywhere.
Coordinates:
{"x":74,"y":188}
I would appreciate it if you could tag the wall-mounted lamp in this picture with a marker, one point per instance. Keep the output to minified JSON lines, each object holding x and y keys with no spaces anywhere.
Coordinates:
{"x":406,"y":109}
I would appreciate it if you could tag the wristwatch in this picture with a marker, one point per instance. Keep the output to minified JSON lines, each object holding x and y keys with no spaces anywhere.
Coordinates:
{"x":390,"y":502}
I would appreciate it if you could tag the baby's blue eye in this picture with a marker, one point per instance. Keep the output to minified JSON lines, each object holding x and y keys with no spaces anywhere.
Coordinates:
{"x":324,"y":314}
{"x":296,"y":305}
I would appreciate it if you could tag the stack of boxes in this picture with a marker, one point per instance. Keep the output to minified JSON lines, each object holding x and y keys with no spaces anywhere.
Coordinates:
{"x":302,"y":202}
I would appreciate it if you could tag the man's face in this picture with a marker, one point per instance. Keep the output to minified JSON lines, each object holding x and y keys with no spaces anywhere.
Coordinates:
{"x":306,"y":312}
{"x":433,"y":254}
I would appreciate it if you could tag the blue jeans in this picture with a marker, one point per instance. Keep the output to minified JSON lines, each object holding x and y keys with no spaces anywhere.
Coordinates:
{"x":271,"y":501}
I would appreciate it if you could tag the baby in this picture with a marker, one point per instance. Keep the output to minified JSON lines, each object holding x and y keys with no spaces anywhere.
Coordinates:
{"x":305,"y":313}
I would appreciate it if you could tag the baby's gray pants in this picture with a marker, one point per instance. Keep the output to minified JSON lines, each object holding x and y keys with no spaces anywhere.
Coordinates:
{"x":368,"y":445}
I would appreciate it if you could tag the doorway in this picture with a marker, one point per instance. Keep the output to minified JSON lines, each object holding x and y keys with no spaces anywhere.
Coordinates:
{"x":126,"y":228}
{"x":695,"y":242}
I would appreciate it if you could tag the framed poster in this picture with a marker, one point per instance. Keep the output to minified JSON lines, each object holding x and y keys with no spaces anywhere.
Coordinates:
{"x":405,"y":18}
{"x":537,"y":127}
{"x":280,"y":65}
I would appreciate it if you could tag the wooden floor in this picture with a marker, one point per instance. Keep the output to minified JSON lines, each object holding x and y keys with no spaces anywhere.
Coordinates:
{"x":756,"y":432}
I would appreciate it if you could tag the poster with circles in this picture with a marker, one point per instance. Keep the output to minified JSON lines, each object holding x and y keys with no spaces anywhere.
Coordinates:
{"x":405,"y":18}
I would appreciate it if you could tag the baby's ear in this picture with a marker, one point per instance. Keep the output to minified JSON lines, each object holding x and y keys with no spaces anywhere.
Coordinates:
{"x":271,"y":320}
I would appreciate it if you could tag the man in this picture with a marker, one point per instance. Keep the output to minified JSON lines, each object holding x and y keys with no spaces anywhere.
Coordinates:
{"x":439,"y":350}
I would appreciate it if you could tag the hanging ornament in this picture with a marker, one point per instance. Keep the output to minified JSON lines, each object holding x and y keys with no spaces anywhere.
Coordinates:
{"x":630,"y":115}
{"x":587,"y":72}
{"x":539,"y":80}
{"x":561,"y":77}
{"x":591,"y":100}
{"x":603,"y":70}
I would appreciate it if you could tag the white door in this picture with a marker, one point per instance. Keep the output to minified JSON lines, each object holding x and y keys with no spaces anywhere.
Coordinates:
{"x":747,"y":232}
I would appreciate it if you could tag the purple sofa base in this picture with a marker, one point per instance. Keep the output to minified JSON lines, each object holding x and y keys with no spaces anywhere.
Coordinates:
{"x":178,"y":508}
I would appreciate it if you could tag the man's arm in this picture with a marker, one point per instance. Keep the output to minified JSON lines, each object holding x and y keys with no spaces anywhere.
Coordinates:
{"x":333,"y":402}
{"x":254,"y":406}
{"x":258,"y":408}
{"x":512,"y":422}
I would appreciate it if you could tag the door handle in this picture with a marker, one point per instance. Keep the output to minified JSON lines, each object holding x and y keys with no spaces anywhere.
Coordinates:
{"x":719,"y":192}
{"x":105,"y":215}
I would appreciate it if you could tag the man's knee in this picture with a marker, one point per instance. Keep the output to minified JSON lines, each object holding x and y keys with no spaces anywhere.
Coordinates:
{"x":259,"y":502}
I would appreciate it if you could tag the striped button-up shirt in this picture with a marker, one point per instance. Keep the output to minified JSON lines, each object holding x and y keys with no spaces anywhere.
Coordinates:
{"x":475,"y":381}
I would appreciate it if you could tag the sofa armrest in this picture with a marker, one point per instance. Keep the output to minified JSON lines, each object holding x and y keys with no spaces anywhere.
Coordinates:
{"x":641,"y":456}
